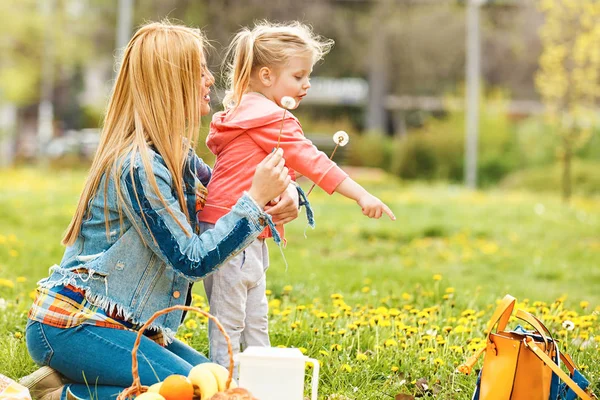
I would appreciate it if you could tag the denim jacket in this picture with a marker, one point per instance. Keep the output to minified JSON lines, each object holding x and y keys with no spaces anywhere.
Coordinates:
{"x":148,"y":263}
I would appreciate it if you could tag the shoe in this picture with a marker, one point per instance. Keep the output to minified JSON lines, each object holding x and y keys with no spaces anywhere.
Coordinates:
{"x":44,"y":384}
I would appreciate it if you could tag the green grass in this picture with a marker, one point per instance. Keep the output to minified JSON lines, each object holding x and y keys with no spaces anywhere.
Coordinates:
{"x":365,"y":296}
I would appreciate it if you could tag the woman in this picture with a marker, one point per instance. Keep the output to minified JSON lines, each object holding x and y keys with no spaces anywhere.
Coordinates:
{"x":132,"y":245}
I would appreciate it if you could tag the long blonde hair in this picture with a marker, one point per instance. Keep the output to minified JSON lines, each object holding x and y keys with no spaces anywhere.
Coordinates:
{"x":267,"y":45}
{"x":155,"y":100}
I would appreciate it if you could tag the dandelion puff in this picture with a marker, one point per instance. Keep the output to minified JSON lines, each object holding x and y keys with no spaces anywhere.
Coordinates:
{"x":568,"y":325}
{"x":288,"y":102}
{"x":341,"y":138}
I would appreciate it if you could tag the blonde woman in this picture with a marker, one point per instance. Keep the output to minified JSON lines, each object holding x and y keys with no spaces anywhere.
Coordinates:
{"x":132,"y":247}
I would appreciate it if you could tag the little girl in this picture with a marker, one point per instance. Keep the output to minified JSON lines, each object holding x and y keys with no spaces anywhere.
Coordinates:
{"x":265,"y":65}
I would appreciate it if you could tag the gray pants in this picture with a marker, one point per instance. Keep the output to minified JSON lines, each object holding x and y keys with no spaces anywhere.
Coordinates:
{"x":236,"y":295}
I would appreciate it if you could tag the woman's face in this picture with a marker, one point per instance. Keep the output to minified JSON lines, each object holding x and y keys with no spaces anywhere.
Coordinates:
{"x":207,"y":81}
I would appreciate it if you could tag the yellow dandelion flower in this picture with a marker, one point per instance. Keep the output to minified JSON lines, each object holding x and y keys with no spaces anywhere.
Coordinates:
{"x":7,"y":283}
{"x":365,"y":289}
{"x":438,"y":362}
{"x":336,"y":346}
{"x":346,"y":368}
{"x":324,"y":353}
{"x":268,"y":292}
{"x":437,"y":277}
{"x":395,"y":369}
{"x":390,"y":343}
{"x":584,"y":304}
{"x":429,"y":350}
{"x":288,"y":288}
{"x":361,"y":357}
{"x":303,"y":350}
{"x":275,"y":303}
{"x":336,"y":296}
{"x":191,"y":324}
{"x":457,"y":349}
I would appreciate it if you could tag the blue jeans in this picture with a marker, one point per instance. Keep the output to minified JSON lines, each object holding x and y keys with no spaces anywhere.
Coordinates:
{"x":98,"y":360}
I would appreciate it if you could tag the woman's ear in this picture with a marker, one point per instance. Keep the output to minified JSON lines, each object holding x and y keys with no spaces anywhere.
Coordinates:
{"x":265,"y":74}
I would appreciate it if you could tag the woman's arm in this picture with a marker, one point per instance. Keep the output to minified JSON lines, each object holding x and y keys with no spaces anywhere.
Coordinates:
{"x":164,"y":228}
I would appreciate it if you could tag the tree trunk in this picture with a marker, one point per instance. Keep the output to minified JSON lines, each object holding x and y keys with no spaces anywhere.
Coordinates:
{"x":377,"y":67}
{"x":8,"y":118}
{"x":566,"y":163}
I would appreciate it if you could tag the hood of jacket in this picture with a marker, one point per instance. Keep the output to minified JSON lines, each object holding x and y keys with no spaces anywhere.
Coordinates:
{"x":254,"y":111}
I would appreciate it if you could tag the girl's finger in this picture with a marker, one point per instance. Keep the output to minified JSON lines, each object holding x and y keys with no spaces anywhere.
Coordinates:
{"x":389,"y":212}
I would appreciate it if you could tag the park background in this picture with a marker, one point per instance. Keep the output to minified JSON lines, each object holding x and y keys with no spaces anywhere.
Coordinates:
{"x":476,"y":121}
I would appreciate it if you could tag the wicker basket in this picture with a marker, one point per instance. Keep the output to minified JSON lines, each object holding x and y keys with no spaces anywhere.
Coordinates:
{"x":137,"y":388}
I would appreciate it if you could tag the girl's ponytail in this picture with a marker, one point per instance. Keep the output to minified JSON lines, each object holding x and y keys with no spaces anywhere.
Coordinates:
{"x":241,"y":59}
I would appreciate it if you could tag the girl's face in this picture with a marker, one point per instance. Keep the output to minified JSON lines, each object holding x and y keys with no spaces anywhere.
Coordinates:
{"x":291,"y":80}
{"x":207,"y":81}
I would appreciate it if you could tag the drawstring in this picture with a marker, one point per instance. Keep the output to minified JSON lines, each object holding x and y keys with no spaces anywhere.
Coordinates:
{"x":303,"y":201}
{"x":276,"y":237}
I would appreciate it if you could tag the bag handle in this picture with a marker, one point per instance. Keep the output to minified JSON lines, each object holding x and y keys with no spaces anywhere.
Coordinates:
{"x":500,"y":317}
{"x":537,"y":325}
{"x":502,"y":314}
{"x":530,"y":344}
{"x":568,"y":361}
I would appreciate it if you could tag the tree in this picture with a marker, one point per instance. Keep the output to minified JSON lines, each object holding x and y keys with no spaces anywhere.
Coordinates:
{"x":568,"y":74}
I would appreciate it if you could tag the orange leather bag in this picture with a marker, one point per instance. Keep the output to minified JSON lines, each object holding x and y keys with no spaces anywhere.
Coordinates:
{"x":520,"y":364}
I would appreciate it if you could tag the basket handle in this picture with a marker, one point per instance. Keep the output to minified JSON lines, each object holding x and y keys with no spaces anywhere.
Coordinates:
{"x":137,"y":388}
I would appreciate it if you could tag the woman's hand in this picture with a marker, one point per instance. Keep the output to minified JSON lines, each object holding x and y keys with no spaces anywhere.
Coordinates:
{"x":270,"y":179}
{"x":285,"y":209}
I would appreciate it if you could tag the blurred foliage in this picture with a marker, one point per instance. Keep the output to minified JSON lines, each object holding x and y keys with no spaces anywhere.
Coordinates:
{"x":547,"y":178}
{"x":568,"y":78}
{"x":436,"y":151}
{"x":27,"y":32}
{"x":371,"y":150}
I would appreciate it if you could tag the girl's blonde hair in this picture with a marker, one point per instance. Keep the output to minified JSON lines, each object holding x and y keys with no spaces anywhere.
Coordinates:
{"x":267,"y":45}
{"x":156,"y":101}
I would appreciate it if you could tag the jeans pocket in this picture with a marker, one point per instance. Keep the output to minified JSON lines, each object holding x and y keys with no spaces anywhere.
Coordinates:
{"x":37,"y":343}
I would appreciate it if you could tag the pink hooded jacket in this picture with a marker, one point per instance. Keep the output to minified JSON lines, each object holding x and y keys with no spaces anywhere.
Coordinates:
{"x":241,"y":138}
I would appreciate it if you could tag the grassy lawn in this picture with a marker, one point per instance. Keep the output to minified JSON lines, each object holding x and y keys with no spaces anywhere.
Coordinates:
{"x":385,"y":306}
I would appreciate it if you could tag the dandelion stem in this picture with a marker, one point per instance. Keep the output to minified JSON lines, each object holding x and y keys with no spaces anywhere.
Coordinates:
{"x":281,"y":129}
{"x":331,"y":158}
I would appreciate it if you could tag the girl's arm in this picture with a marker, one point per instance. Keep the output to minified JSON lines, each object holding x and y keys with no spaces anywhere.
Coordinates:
{"x":300,"y":153}
{"x":371,"y":206}
{"x":302,"y":156}
{"x":166,"y":229}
